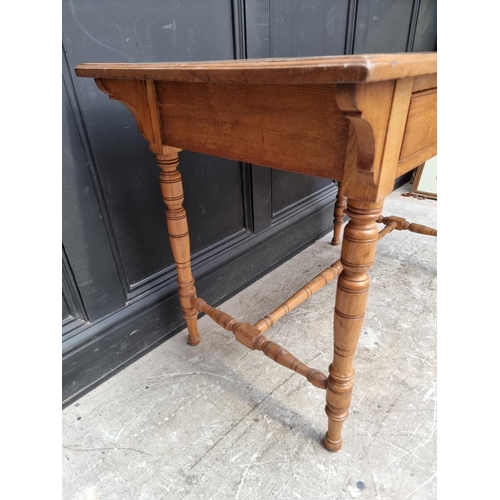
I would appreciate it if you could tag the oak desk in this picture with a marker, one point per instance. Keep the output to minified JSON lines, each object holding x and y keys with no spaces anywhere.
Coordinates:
{"x":361,"y":120}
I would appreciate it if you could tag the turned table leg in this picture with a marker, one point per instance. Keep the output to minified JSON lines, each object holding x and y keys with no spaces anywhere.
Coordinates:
{"x":358,"y":251}
{"x":173,"y":196}
{"x":338,"y":214}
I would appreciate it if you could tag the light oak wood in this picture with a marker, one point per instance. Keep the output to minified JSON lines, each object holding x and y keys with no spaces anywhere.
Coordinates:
{"x":362,"y":120}
{"x":252,"y":337}
{"x":357,"y":255}
{"x":402,"y":224}
{"x":237,"y":123}
{"x":387,"y":229}
{"x":173,"y":196}
{"x":313,"y":286}
{"x":338,"y":131}
{"x":392,"y":222}
{"x":377,"y":114}
{"x":424,"y":82}
{"x":338,"y":214}
{"x":421,"y":129}
{"x":309,"y":289}
{"x":326,"y":69}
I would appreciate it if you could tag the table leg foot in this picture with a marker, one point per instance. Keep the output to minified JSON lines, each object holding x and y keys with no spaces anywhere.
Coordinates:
{"x":192,"y":326}
{"x":332,"y":445}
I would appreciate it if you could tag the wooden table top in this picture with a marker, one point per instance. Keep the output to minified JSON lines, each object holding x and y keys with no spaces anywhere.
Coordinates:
{"x":303,"y":70}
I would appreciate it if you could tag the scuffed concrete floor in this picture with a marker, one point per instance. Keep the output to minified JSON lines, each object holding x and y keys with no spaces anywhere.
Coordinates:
{"x":218,"y":421}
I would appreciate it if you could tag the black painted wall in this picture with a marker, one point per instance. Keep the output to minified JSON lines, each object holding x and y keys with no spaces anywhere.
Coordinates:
{"x":119,"y":290}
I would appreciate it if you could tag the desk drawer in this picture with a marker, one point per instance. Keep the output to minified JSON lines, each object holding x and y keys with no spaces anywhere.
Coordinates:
{"x":420,"y":137}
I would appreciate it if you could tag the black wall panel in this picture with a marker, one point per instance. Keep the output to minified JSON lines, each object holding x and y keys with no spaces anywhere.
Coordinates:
{"x":312,"y":28}
{"x":86,"y":241}
{"x":426,"y":27}
{"x":382,"y":26}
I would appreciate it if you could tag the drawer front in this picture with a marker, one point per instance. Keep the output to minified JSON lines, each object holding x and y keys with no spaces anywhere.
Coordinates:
{"x":420,"y":137}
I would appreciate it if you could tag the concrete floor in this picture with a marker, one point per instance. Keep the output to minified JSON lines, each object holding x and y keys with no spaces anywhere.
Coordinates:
{"x":218,"y":421}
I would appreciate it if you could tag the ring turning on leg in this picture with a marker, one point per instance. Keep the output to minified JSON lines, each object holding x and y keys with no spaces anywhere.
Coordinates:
{"x":338,"y":214}
{"x":173,"y":197}
{"x":358,"y":252}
